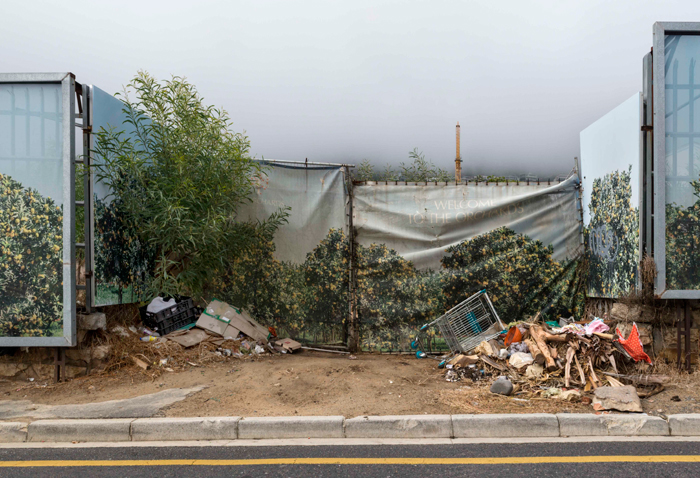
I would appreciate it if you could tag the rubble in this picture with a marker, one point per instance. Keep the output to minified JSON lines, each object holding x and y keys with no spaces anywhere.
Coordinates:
{"x":567,"y":360}
{"x":570,"y":395}
{"x":502,"y":386}
{"x":622,"y":399}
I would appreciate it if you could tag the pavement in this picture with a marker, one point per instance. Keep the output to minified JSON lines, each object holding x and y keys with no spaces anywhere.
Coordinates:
{"x":600,"y":457}
{"x":138,"y":407}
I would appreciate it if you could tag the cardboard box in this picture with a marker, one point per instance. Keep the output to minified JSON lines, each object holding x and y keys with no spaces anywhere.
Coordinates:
{"x":213,"y":323}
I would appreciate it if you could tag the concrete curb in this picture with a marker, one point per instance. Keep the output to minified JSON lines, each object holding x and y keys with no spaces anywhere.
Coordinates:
{"x":399,"y":426}
{"x":534,"y":425}
{"x":505,"y":425}
{"x":687,"y":424}
{"x":617,"y":424}
{"x":170,"y":429}
{"x":88,"y":430}
{"x":13,"y":432}
{"x":291,"y":427}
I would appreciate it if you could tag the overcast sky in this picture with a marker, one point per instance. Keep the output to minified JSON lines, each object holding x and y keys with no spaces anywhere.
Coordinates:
{"x":348,"y":80}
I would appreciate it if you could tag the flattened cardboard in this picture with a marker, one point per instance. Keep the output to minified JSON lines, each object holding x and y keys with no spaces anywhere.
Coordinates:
{"x":231,"y":332}
{"x":288,"y":344}
{"x":239,"y":320}
{"x":243,"y":322}
{"x":212,"y":323}
{"x":464,"y":360}
{"x":190,"y":338}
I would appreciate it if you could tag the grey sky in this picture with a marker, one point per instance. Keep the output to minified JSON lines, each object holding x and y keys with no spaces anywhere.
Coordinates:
{"x":343,"y":81}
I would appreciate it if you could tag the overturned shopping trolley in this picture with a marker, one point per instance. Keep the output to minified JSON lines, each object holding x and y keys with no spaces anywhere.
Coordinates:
{"x":464,"y":326}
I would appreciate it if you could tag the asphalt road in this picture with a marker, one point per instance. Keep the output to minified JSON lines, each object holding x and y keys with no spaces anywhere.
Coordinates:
{"x":591,"y":459}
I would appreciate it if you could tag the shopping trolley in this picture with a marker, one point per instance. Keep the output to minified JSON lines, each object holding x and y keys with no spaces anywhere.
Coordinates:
{"x":464,"y":326}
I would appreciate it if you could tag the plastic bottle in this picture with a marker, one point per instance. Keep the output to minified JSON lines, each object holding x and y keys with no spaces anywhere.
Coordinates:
{"x":149,"y":338}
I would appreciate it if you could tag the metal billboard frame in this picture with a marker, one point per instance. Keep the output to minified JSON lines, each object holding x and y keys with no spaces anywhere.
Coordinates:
{"x":661,"y":29}
{"x":68,"y":96}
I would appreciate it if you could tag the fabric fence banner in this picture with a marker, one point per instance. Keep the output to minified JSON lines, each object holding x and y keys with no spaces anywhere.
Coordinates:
{"x":423,"y":249}
{"x":297,"y":277}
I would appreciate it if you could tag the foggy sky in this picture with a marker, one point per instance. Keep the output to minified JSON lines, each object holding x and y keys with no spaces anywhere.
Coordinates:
{"x":344,"y":81}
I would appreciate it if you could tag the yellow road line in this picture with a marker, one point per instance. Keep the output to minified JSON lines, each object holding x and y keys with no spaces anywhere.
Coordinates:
{"x":508,"y":460}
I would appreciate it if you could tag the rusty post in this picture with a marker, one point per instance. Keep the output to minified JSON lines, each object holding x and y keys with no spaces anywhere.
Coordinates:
{"x":679,"y":344}
{"x":59,"y":363}
{"x":687,"y":336}
{"x":353,"y":326}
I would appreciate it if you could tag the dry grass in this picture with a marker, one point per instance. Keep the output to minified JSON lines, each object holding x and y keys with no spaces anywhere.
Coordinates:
{"x":477,"y":399}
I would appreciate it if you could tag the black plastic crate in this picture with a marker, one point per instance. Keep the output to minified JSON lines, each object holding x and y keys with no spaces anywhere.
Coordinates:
{"x":168,"y":320}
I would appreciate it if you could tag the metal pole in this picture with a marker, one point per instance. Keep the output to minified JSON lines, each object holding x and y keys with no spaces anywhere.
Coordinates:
{"x":87,"y":196}
{"x":305,"y":163}
{"x":687,"y":335}
{"x":353,"y":326}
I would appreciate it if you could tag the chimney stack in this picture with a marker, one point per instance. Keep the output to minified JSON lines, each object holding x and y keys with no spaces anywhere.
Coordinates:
{"x":458,"y":160}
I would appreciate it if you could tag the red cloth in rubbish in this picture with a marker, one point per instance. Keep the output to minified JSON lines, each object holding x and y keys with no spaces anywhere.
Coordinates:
{"x":633,"y":345}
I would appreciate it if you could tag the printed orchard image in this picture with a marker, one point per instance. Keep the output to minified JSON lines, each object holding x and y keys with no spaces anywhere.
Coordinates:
{"x":310,"y":300}
{"x":31,"y":258}
{"x":612,"y":236}
{"x":122,"y":261}
{"x":683,"y":243}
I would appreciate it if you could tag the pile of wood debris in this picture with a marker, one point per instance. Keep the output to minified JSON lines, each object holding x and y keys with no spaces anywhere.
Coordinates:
{"x":570,"y":361}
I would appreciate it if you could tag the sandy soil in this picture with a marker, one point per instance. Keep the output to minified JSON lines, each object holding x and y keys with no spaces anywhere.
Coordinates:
{"x":314,"y":383}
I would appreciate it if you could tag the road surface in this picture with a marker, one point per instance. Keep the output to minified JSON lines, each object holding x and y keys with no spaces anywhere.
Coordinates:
{"x":423,"y":458}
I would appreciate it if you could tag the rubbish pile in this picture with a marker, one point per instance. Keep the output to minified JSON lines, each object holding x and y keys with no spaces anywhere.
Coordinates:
{"x":568,"y":360}
{"x":185,"y":335}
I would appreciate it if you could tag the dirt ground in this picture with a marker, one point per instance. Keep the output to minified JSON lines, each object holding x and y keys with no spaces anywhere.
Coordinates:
{"x":316,"y":383}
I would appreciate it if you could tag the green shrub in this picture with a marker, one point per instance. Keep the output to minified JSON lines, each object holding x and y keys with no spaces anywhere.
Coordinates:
{"x":181,"y":175}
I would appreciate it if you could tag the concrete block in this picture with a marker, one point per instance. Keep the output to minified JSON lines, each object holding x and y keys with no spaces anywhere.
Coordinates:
{"x":399,"y":426}
{"x":290,"y":427}
{"x":93,"y":430}
{"x":687,"y":424}
{"x":505,"y":425}
{"x":94,"y":321}
{"x":616,"y":424}
{"x":13,"y":432}
{"x":12,"y":369}
{"x":174,"y":428}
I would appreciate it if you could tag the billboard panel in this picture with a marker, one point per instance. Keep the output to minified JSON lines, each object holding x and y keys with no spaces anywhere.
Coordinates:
{"x":121,"y":260}
{"x":610,"y":165}
{"x":676,"y":135}
{"x":682,"y":161}
{"x":37,"y":276}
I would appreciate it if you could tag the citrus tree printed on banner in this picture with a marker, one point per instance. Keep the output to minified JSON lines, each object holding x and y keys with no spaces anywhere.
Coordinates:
{"x":31,"y":262}
{"x":612,"y":236}
{"x":519,"y":274}
{"x":683,"y":244}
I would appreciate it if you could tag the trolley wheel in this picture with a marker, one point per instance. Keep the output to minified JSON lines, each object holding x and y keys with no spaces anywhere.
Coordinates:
{"x":420,"y":354}
{"x":414,"y":344}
